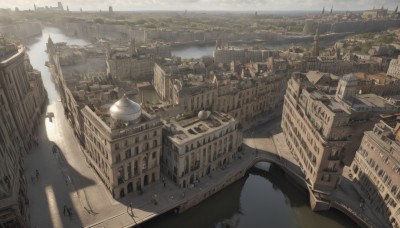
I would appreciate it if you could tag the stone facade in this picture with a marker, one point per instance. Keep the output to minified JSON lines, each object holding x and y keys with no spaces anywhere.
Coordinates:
{"x":22,"y":97}
{"x":135,"y":63}
{"x":376,"y":169}
{"x":323,"y":130}
{"x":394,"y":68}
{"x":227,"y":55}
{"x":194,"y":147}
{"x":125,"y":156}
{"x":241,"y":96}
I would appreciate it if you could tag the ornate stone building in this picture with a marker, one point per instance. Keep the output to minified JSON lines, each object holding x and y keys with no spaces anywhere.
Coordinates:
{"x":324,"y":130}
{"x":394,"y":68}
{"x":134,"y":62}
{"x":123,"y":145}
{"x":195,"y":146}
{"x":376,"y":168}
{"x":22,"y":96}
{"x":227,"y":55}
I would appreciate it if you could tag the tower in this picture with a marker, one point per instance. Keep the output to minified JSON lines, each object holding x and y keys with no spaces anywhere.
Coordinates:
{"x":315,"y":47}
{"x":110,"y":9}
{"x":218,"y":43}
{"x":132,"y":47}
{"x":323,"y":10}
{"x":347,"y":88}
{"x":331,"y":10}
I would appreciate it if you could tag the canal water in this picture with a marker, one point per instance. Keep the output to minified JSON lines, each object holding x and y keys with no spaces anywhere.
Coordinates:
{"x":197,"y":51}
{"x":260,"y":199}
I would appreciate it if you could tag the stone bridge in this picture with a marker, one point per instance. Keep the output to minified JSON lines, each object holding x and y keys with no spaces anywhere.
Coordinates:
{"x":345,"y":198}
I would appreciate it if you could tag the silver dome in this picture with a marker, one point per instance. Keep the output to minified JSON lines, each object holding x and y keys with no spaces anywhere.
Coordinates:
{"x":203,"y":115}
{"x":126,"y":110}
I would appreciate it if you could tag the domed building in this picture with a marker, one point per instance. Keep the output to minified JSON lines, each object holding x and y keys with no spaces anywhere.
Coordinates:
{"x":126,"y":110}
{"x":123,"y":145}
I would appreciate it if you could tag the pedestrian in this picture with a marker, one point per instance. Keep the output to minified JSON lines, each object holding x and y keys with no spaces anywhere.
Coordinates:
{"x":37,"y":175}
{"x":165,"y":184}
{"x":65,"y":209}
{"x":69,"y":212}
{"x":32,"y":179}
{"x":130,"y":206}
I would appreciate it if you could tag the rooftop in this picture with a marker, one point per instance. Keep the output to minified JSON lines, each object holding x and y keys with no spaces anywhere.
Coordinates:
{"x":8,"y":50}
{"x":186,"y":128}
{"x":373,"y":102}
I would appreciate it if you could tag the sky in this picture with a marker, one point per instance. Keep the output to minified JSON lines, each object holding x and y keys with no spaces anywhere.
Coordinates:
{"x":228,"y":5}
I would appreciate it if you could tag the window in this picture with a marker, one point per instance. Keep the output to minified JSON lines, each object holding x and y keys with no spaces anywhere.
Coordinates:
{"x":155,"y":133}
{"x":153,"y":155}
{"x":128,"y":153}
{"x":116,"y":146}
{"x":118,"y":158}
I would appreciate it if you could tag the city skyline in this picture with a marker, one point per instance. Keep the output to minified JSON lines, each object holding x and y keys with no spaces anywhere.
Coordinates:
{"x":204,"y":5}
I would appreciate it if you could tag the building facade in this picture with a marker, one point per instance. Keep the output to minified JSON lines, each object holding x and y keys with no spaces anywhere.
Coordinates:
{"x":227,"y":55}
{"x":123,"y":145}
{"x":195,"y":146}
{"x":376,"y":168}
{"x":394,"y":68}
{"x":22,"y":97}
{"x":324,"y":130}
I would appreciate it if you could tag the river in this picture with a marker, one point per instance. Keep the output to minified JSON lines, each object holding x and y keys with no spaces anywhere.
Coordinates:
{"x":197,"y":51}
{"x":261,"y":199}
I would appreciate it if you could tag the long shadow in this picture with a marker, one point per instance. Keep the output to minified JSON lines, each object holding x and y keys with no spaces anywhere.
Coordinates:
{"x":55,"y":187}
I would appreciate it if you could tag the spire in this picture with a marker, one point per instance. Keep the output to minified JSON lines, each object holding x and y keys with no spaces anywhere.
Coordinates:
{"x":49,"y":40}
{"x":323,"y":10}
{"x":315,"y":47}
{"x":397,"y":8}
{"x":331,"y":10}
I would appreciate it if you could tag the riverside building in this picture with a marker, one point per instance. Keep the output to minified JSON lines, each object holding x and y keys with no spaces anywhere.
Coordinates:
{"x":195,"y":146}
{"x":123,"y":145}
{"x":323,"y":130}
{"x":376,"y":168}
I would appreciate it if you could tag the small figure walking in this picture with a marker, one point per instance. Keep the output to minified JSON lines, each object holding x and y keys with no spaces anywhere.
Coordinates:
{"x":32,"y":179}
{"x":65,"y":209}
{"x":69,"y":212}
{"x":37,"y":175}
